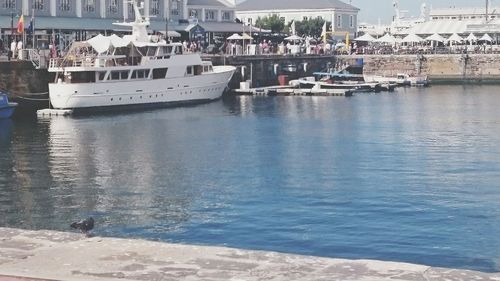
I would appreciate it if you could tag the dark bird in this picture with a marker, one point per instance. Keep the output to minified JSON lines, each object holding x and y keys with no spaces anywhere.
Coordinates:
{"x":85,"y":225}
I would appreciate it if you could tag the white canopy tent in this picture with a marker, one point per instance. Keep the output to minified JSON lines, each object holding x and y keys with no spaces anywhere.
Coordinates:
{"x":435,"y":37}
{"x":365,"y":38}
{"x":412,"y":38}
{"x":387,"y":38}
{"x":471,"y":38}
{"x":455,"y":38}
{"x":486,"y":37}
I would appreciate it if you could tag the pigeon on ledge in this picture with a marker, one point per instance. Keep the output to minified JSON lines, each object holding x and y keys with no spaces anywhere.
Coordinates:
{"x":85,"y":225}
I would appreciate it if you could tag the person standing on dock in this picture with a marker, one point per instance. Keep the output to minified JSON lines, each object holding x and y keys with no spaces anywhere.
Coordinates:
{"x":13,"y":48}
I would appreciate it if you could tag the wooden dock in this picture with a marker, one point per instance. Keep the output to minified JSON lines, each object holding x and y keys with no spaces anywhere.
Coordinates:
{"x":290,"y":91}
{"x":49,"y":112}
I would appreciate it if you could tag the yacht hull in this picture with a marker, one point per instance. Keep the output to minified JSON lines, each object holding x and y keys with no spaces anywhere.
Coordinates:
{"x":141,"y":93}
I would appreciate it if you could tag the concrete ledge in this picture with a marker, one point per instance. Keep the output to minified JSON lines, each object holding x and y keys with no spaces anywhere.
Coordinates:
{"x":70,"y":256}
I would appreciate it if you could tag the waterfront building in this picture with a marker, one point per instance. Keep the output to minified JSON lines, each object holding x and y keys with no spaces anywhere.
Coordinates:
{"x":81,"y":19}
{"x":459,"y":14}
{"x":462,"y":21}
{"x":344,"y":16}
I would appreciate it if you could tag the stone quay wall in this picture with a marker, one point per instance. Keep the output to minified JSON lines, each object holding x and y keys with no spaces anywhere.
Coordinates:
{"x":21,"y":77}
{"x":482,"y":68}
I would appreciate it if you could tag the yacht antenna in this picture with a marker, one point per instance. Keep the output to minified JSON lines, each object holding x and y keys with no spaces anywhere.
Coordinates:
{"x":487,"y":3}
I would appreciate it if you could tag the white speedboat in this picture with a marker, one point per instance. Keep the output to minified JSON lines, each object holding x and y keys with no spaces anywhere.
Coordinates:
{"x":106,"y":72}
{"x":401,"y":79}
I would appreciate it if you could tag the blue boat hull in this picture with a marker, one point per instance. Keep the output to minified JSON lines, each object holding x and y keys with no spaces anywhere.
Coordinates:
{"x":6,"y":112}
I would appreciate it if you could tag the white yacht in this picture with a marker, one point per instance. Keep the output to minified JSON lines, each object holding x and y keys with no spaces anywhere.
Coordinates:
{"x":110,"y":71}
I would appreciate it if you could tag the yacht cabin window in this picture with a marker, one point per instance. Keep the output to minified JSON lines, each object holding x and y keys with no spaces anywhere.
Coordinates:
{"x":140,"y":74}
{"x":160,"y":73}
{"x":151,"y":51}
{"x":102,"y":75}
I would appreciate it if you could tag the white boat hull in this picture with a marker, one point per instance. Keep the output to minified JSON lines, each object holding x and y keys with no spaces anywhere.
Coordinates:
{"x":205,"y":87}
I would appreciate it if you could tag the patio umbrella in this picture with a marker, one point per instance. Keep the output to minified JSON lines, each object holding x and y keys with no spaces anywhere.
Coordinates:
{"x":246,"y":37}
{"x":235,"y":36}
{"x":365,"y":38}
{"x":294,"y":38}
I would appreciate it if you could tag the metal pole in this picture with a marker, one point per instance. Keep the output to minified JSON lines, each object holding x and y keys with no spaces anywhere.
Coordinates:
{"x":33,"y":28}
{"x":166,"y":30}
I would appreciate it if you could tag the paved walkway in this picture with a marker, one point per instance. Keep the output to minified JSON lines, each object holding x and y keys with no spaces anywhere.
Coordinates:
{"x":50,"y":255}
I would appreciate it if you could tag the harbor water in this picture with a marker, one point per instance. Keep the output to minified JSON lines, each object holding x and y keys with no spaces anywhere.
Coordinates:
{"x":411,"y":176}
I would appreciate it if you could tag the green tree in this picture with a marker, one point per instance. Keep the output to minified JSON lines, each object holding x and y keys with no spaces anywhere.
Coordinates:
{"x":273,"y":23}
{"x":311,"y":27}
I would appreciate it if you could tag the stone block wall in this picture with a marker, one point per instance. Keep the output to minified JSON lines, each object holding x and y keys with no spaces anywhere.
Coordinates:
{"x":451,"y":68}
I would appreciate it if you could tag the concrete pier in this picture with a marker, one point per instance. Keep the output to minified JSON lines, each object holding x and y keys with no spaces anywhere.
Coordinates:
{"x":49,"y":255}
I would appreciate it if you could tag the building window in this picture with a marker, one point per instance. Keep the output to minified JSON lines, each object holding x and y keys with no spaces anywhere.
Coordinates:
{"x":193,"y":14}
{"x":174,"y":7}
{"x":113,"y":6}
{"x":210,"y":15}
{"x":9,"y":4}
{"x":64,"y":5}
{"x":304,"y":18}
{"x":130,"y":9}
{"x":339,"y":21}
{"x":38,"y":4}
{"x":226,"y":16}
{"x":351,"y":21}
{"x":90,"y":6}
{"x":249,"y":20}
{"x":155,"y":7}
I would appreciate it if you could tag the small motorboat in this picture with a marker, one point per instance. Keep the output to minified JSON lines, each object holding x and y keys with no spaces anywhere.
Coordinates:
{"x":6,"y":108}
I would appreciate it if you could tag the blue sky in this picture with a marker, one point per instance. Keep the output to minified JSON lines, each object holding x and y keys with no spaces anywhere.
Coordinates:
{"x":372,"y":10}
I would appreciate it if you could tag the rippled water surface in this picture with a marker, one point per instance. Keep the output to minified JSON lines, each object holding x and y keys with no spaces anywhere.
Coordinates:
{"x":409,"y":176}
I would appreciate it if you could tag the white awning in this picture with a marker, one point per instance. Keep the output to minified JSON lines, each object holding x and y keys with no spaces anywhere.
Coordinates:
{"x":118,"y":42}
{"x":100,"y":43}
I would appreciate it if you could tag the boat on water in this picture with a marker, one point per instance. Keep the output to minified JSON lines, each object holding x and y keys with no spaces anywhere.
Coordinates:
{"x":133,"y":71}
{"x":401,"y":79}
{"x":338,"y":81}
{"x":6,"y":108}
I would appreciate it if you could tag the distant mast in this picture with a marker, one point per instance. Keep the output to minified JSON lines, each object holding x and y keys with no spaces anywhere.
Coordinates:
{"x":487,"y":4}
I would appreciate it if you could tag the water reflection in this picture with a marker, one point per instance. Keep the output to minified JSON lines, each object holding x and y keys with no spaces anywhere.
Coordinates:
{"x":327,"y":176}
